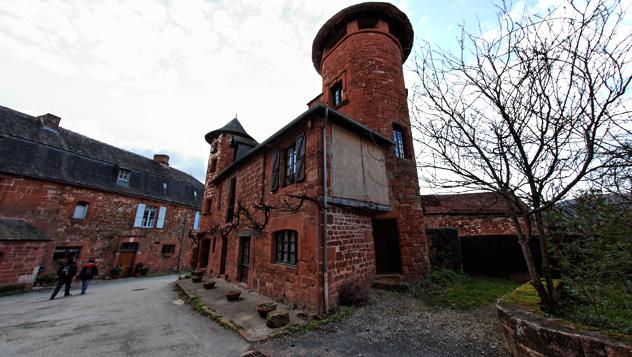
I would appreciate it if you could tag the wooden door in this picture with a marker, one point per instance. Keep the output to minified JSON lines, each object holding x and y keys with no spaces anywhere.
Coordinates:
{"x":222,"y":260}
{"x":386,"y":241}
{"x":244,"y":258}
{"x":126,"y":262}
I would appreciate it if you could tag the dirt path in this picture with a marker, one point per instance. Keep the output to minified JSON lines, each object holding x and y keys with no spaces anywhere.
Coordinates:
{"x":398,"y":325}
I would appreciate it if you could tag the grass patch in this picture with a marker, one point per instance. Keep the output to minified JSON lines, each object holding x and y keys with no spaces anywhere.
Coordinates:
{"x":613,"y":319}
{"x":449,"y":289}
{"x":339,"y":316}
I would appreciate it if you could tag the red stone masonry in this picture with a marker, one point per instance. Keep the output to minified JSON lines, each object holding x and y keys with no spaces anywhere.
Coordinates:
{"x":49,"y":207}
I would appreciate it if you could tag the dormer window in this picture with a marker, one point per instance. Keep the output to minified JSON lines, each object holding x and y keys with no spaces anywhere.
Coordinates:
{"x":123,"y":177}
{"x":336,"y":94}
{"x":164,"y":188}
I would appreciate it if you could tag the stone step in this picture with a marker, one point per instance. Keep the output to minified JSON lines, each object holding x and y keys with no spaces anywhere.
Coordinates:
{"x":390,"y":282}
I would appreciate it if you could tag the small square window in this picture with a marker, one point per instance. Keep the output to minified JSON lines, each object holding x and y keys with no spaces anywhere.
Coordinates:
{"x":337,"y":94}
{"x":123,"y":177}
{"x":81,"y":210}
{"x":168,"y":250}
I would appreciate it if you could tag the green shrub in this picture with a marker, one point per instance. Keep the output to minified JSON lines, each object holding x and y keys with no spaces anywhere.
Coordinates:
{"x":592,"y":245}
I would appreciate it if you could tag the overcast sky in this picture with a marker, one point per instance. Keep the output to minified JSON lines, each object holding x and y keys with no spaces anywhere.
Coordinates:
{"x":154,"y":76}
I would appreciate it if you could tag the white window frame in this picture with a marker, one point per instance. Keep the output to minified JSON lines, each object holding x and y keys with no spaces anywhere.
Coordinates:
{"x":81,"y":210}
{"x":149,"y":217}
{"x":123,"y":177}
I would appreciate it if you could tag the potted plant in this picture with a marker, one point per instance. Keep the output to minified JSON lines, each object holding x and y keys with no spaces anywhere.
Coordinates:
{"x":233,"y":295}
{"x":196,"y":279}
{"x":116,"y":272}
{"x":209,"y":284}
{"x":265,"y":308}
{"x":199,"y":273}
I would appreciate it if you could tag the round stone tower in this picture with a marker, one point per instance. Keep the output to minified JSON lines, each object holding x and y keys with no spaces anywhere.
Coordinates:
{"x":360,"y":53}
{"x":361,"y":50}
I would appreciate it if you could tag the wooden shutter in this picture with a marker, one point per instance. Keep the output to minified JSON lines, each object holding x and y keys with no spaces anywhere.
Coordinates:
{"x":140,"y":211}
{"x":300,"y":158}
{"x":161,"y":217}
{"x":196,"y":221}
{"x":275,"y":170}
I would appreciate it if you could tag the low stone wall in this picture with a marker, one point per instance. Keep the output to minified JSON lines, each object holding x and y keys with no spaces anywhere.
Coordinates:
{"x":529,"y":334}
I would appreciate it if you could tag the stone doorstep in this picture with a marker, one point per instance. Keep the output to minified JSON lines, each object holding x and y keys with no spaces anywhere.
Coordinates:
{"x":244,"y":320}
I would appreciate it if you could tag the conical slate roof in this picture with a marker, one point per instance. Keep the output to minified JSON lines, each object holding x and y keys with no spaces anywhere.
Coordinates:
{"x":232,"y":127}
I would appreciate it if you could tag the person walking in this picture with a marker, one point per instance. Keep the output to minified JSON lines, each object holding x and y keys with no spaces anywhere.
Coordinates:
{"x":88,"y":272}
{"x":65,"y":275}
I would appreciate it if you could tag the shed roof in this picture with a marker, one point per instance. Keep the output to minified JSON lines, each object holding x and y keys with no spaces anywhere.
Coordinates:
{"x":29,"y":148}
{"x":18,"y":230}
{"x":465,"y":203}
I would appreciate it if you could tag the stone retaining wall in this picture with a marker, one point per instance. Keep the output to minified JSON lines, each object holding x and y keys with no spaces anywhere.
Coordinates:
{"x":527,"y":334}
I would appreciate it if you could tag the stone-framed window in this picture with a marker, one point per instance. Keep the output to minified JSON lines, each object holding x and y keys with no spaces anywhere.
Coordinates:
{"x":398,"y":140}
{"x":293,"y":164}
{"x":336,"y":93}
{"x":290,"y":165}
{"x":123,"y":177}
{"x":286,"y":247}
{"x":63,"y":253}
{"x":149,"y":217}
{"x":81,"y":210}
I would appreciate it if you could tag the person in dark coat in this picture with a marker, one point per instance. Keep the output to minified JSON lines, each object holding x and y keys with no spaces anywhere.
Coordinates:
{"x":88,"y":272}
{"x":65,"y":275}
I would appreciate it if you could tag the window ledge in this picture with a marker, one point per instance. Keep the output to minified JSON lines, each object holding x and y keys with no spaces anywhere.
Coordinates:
{"x":342,"y":103}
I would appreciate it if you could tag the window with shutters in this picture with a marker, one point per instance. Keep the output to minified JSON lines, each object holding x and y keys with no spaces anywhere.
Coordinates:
{"x":293,"y":164}
{"x":286,"y":247}
{"x":230,"y":210}
{"x":149,"y":217}
{"x":81,"y":210}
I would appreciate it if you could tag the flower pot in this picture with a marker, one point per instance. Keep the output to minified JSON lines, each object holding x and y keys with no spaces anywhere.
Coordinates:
{"x":209,"y":284}
{"x":233,"y":295}
{"x":196,"y":279}
{"x":197,"y":273}
{"x":264,"y":309}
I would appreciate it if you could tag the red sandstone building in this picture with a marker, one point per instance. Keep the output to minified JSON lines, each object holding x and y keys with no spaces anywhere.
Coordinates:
{"x":333,"y":197}
{"x":487,"y":239}
{"x":76,"y":196}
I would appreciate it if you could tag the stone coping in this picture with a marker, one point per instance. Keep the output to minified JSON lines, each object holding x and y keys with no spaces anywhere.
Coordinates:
{"x":531,"y":333}
{"x":240,"y":316}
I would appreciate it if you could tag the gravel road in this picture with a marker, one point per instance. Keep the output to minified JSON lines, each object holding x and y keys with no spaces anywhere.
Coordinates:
{"x":396,"y":324}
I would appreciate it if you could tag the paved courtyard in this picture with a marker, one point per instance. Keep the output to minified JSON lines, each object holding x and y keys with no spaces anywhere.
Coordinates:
{"x":129,"y":317}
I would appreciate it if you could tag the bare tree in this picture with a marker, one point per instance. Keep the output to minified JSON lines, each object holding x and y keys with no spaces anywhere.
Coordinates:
{"x":529,"y":110}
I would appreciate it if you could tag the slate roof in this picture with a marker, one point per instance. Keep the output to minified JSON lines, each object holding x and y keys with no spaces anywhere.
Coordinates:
{"x":232,"y":127}
{"x":18,"y":230}
{"x":29,"y":148}
{"x":318,"y":109}
{"x":465,"y":204}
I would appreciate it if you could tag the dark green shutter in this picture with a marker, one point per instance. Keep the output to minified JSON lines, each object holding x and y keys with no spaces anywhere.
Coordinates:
{"x":275,"y":170}
{"x":300,"y":158}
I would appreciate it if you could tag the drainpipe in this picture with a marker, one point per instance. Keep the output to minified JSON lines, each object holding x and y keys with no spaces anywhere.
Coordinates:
{"x":184,"y":227}
{"x":325,"y":255}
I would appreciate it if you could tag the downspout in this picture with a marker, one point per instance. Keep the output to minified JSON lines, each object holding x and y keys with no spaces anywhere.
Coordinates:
{"x":184,"y":227}
{"x":325,"y":255}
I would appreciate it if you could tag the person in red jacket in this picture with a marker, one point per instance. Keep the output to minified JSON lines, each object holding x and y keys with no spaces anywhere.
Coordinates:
{"x":88,"y":272}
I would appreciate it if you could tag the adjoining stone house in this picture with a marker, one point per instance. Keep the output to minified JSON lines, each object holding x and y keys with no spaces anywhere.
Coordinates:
{"x":333,"y":197}
{"x":22,"y":248}
{"x":93,"y":200}
{"x":487,"y":238}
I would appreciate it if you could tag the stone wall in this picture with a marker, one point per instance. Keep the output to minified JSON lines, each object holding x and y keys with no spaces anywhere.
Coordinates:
{"x":20,"y":261}
{"x":49,"y":206}
{"x":527,"y":335}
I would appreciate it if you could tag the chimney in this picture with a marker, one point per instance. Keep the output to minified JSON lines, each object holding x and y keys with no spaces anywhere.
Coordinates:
{"x":162,"y":159}
{"x":50,"y":120}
